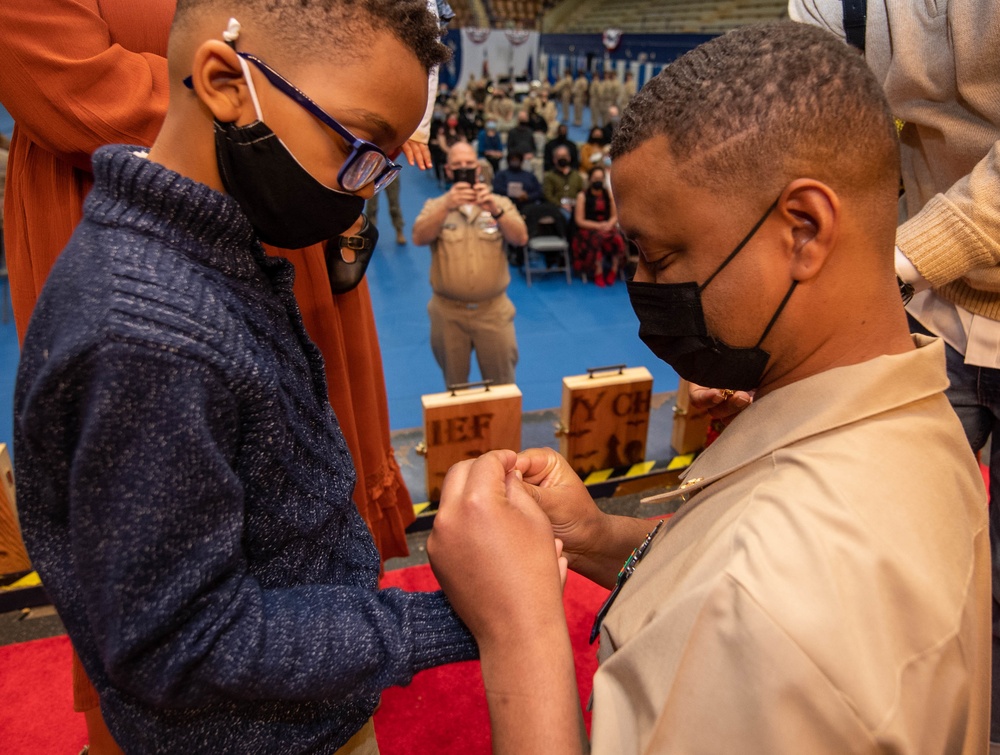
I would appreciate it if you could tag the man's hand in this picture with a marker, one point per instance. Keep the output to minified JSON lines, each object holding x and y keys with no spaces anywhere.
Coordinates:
{"x":491,"y":539}
{"x":595,"y":544}
{"x":461,"y":193}
{"x":720,"y":404}
{"x":561,"y":494}
{"x":486,"y":199}
{"x":418,"y":154}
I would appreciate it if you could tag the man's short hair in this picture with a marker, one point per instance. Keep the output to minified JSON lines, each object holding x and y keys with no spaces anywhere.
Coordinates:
{"x":325,"y":27}
{"x":766,"y":104}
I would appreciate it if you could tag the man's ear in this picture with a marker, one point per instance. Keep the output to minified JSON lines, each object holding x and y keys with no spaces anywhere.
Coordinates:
{"x":811,"y":212}
{"x":218,"y":80}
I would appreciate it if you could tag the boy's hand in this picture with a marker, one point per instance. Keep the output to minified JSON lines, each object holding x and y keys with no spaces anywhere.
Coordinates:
{"x":493,"y":552}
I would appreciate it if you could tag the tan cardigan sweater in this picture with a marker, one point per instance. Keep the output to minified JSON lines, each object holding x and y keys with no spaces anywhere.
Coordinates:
{"x":938,"y":61}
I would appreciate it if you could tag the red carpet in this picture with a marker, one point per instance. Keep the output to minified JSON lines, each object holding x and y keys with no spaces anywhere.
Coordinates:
{"x":443,"y":711}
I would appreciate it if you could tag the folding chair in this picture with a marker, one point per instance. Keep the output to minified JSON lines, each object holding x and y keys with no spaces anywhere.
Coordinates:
{"x":546,"y":240}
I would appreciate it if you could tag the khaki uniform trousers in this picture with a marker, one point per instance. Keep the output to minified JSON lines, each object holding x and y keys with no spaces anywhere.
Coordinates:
{"x":488,"y":327}
{"x":392,"y":194}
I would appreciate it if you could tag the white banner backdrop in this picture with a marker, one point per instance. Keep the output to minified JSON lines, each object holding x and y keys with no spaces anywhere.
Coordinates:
{"x":505,"y":52}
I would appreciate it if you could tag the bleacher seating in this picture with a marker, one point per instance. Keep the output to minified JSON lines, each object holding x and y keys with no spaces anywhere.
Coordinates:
{"x":521,"y":14}
{"x":645,"y":16}
{"x":666,"y":16}
{"x":468,"y":14}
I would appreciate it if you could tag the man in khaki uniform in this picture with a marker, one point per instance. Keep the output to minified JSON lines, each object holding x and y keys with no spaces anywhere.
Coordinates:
{"x":598,"y":101}
{"x":824,"y":587}
{"x":563,"y":89}
{"x":580,"y":89}
{"x":628,"y":90}
{"x":612,"y":93}
{"x":466,"y":229}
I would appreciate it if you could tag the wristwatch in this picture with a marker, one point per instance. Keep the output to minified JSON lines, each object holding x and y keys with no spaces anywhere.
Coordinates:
{"x":499,"y":214}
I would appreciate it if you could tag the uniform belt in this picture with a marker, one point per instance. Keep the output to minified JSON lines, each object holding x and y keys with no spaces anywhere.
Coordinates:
{"x":458,"y":304}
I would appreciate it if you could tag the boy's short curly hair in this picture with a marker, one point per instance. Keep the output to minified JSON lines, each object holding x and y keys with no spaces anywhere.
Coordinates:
{"x":326,"y":27}
{"x":765,"y":104}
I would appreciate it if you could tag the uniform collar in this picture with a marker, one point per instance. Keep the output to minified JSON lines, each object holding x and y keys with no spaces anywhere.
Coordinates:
{"x":816,"y":405}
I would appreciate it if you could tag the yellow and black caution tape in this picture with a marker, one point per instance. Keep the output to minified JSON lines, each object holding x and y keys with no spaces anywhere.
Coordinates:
{"x":602,"y":483}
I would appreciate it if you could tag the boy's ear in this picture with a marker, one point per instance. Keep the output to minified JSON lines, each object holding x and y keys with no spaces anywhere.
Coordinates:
{"x":218,"y":79}
{"x":811,"y":212}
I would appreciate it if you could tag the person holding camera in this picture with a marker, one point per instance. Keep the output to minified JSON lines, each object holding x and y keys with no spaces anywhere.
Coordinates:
{"x":466,"y":229}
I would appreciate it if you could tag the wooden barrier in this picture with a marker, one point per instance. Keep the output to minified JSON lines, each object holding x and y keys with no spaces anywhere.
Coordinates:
{"x":13,"y":556}
{"x":690,"y":427}
{"x":465,"y":423}
{"x":605,"y":417}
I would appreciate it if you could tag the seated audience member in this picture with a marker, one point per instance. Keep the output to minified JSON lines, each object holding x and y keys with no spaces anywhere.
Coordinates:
{"x":516,"y":183}
{"x":546,"y":108}
{"x":438,"y":155}
{"x":172,"y":428}
{"x":521,"y":138}
{"x":562,"y":184}
{"x":505,"y":111}
{"x":449,"y":134}
{"x":491,"y":145}
{"x":614,"y":118}
{"x":592,"y":152}
{"x":598,"y":246}
{"x":825,"y":585}
{"x":561,"y":138}
{"x":536,"y":121}
{"x":471,"y":122}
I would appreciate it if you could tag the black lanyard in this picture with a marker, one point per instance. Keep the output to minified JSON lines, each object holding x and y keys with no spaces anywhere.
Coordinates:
{"x":626,"y":571}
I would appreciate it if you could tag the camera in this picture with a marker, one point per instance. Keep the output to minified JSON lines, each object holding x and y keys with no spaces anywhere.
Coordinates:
{"x":465,"y":174}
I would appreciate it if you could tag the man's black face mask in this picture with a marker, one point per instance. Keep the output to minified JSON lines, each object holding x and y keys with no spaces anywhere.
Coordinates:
{"x":672,"y":325}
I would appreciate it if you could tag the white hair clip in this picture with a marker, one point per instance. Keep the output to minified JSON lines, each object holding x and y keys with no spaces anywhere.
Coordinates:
{"x":232,"y":32}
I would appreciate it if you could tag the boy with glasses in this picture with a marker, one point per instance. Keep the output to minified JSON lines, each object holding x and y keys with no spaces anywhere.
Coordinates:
{"x":171,"y":408}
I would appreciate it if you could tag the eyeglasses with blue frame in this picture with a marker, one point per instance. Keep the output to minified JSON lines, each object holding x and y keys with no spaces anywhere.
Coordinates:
{"x":366,"y":162}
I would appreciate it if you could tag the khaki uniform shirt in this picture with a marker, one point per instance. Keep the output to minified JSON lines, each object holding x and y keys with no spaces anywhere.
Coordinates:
{"x":468,"y":261}
{"x":612,"y":92}
{"x":628,"y":91}
{"x":563,"y":89}
{"x":825,"y":590}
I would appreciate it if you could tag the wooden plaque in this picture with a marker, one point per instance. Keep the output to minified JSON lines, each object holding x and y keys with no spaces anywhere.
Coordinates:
{"x":690,"y":427}
{"x":605,"y":418}
{"x":13,"y":556}
{"x":466,"y":423}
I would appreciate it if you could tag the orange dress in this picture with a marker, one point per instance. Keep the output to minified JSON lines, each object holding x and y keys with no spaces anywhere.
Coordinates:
{"x":78,"y":74}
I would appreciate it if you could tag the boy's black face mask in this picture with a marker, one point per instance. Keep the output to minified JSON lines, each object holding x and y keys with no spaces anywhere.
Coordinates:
{"x":284,"y":203}
{"x":672,"y":325}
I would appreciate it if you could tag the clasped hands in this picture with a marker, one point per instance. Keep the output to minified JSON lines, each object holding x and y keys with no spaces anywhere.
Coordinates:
{"x":462,"y":193}
{"x":506,"y":529}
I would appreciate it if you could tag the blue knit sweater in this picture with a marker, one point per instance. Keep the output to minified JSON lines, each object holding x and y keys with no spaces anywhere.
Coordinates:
{"x":185,"y":490}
